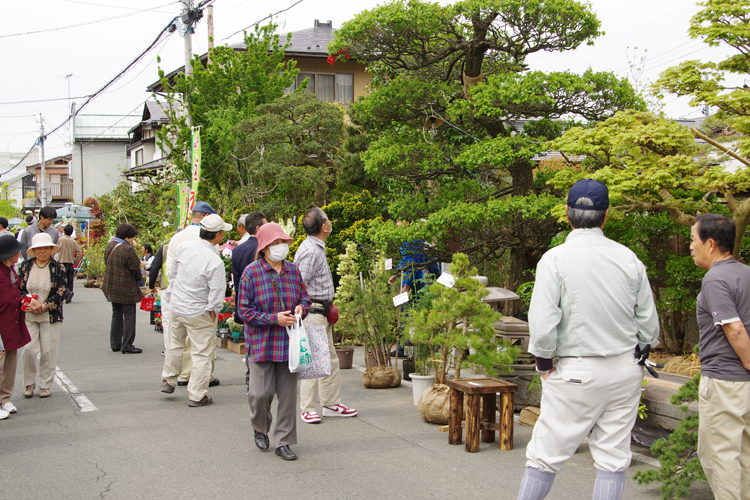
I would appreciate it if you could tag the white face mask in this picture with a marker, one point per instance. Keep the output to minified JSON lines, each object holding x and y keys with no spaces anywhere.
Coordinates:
{"x":277,"y":253}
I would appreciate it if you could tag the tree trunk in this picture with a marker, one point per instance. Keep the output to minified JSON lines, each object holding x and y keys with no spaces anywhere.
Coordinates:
{"x":519,"y":272}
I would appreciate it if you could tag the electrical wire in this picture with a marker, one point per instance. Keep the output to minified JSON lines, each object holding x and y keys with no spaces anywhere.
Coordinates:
{"x":43,"y":100}
{"x":101,"y":90}
{"x":120,"y":74}
{"x":258,"y":22}
{"x":86,"y":23}
{"x":21,"y":161}
{"x":107,"y":5}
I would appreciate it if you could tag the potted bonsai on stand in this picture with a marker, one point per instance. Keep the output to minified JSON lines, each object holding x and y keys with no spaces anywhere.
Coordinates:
{"x":458,"y":330}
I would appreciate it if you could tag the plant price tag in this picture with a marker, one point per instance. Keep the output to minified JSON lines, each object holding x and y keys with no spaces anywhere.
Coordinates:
{"x":401,"y":298}
{"x":388,"y":264}
{"x":447,"y":280}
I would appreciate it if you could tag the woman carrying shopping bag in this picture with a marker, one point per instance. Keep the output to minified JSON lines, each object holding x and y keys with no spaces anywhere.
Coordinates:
{"x":47,"y":279}
{"x":272,"y":294}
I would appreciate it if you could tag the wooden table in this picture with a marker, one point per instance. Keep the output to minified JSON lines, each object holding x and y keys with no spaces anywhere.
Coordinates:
{"x":484,"y":390}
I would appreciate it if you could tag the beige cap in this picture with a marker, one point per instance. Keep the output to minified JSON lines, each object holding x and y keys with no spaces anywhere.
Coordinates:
{"x":215,"y":223}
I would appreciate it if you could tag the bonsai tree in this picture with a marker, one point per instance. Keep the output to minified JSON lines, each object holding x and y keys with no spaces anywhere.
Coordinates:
{"x":458,"y":322}
{"x":366,"y":311}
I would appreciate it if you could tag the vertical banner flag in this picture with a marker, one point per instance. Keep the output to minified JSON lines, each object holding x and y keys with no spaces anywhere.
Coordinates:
{"x":183,"y":200}
{"x":195,"y":155}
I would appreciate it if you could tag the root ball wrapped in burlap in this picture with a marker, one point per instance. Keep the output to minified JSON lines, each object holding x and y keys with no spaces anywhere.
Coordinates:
{"x":381,"y":377}
{"x":435,"y":404}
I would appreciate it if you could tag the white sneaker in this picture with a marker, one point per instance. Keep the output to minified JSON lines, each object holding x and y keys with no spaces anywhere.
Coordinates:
{"x":4,"y":414}
{"x":9,"y":407}
{"x":311,"y":417}
{"x":339,"y":411}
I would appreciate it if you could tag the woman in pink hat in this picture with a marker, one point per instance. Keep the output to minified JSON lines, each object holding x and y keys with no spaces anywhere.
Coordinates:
{"x":271,"y":294}
{"x":46,"y":278}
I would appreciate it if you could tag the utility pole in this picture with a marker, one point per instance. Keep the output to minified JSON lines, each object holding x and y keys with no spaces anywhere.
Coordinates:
{"x":188,"y":37}
{"x":210,"y":31}
{"x":43,"y":192}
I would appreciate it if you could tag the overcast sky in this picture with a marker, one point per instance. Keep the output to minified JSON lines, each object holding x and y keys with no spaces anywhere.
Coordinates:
{"x":36,"y":65}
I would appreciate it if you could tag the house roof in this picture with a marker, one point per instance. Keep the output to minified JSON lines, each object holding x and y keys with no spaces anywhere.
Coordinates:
{"x":152,"y":113}
{"x":307,"y":42}
{"x":104,"y":127}
{"x":15,"y":174}
{"x":310,"y":42}
{"x":52,"y":162}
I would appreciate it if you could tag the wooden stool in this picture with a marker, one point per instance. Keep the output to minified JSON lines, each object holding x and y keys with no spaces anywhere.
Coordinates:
{"x":483,"y":389}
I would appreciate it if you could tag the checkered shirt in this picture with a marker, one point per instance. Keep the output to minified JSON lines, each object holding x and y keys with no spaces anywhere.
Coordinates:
{"x":312,"y":263}
{"x":259,"y":305}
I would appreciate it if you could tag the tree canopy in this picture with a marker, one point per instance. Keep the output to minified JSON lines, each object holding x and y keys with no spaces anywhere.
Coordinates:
{"x":463,"y":68}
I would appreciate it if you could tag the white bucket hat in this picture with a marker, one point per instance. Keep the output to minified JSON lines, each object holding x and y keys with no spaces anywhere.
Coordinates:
{"x":42,"y":240}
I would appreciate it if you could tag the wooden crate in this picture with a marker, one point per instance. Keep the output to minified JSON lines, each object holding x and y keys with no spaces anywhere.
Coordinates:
{"x":238,"y":347}
{"x":221,"y":343}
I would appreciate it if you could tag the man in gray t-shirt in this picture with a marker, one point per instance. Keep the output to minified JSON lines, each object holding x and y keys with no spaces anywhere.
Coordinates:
{"x":723,"y":312}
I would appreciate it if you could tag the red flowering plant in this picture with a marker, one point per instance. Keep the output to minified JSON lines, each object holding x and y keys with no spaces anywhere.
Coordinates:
{"x":332,"y":58}
{"x":222,"y":320}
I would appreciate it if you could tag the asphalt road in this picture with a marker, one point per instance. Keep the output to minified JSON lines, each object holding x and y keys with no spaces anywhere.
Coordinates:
{"x":136,"y":443}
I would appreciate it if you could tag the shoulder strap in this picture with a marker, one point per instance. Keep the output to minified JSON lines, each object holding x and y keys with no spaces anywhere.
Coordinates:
{"x":278,"y":295}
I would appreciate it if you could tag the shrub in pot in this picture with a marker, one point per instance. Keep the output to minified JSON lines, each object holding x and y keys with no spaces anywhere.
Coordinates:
{"x":457,"y":327}
{"x":366,"y":311}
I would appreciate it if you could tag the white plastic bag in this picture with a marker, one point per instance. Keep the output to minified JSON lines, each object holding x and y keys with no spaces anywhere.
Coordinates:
{"x":300,"y":356}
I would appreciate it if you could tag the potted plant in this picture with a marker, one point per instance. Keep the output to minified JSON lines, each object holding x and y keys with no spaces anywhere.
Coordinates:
{"x":345,"y":353}
{"x":227,"y":313}
{"x":458,"y":330}
{"x":366,"y":310}
{"x":423,"y":378}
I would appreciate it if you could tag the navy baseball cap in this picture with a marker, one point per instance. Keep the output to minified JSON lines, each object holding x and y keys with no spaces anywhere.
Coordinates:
{"x":596,"y":191}
{"x":202,"y":206}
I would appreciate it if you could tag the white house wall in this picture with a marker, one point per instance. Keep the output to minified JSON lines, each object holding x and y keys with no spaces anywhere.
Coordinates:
{"x":100,"y":173}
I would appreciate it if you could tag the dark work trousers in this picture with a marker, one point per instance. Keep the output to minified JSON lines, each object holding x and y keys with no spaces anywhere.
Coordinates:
{"x":122,"y":330}
{"x":70,"y":270}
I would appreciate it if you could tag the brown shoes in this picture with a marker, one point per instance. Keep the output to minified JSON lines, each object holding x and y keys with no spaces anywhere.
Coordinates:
{"x":203,"y":402}
{"x":29,"y":391}
{"x":44,"y":392}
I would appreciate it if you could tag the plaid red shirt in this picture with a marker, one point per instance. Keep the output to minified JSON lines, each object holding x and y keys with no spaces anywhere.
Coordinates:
{"x":258,"y":306}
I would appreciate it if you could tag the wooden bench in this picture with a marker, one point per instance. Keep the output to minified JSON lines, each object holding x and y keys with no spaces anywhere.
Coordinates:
{"x":481,"y":390}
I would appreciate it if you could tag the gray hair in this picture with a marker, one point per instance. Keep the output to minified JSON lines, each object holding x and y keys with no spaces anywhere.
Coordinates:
{"x":313,"y":221}
{"x":584,"y":219}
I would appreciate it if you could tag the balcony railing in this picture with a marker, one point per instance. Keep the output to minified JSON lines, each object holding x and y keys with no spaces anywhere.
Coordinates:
{"x":60,"y":190}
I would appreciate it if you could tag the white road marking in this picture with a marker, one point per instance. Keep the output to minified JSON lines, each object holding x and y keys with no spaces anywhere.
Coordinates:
{"x":66,"y":385}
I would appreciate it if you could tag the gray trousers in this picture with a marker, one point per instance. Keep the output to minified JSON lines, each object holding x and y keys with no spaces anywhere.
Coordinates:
{"x":266,"y":379}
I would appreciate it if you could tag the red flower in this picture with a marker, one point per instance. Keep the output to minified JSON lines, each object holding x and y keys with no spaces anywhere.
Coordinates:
{"x":331,"y":60}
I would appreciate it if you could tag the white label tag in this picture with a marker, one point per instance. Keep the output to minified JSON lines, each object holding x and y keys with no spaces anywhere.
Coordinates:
{"x":388,"y":264}
{"x":401,"y":298}
{"x":446,"y":279}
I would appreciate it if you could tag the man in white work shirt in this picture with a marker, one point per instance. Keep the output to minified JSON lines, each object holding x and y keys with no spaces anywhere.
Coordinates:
{"x":197,"y":283}
{"x":591,"y":307}
{"x":191,"y":233}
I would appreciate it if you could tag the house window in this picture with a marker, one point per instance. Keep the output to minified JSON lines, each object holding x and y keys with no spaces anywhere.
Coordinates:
{"x":329,"y":87}
{"x":139,"y":157}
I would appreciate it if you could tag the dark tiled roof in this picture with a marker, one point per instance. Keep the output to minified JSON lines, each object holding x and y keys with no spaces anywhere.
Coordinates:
{"x":153,"y":112}
{"x":310,"y":42}
{"x":313,"y":41}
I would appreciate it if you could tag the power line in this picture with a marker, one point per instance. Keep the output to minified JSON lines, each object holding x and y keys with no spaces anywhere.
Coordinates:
{"x":86,"y":23}
{"x":120,"y":74}
{"x":258,"y":22}
{"x":107,"y":5}
{"x":43,"y":100}
{"x":21,"y":161}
